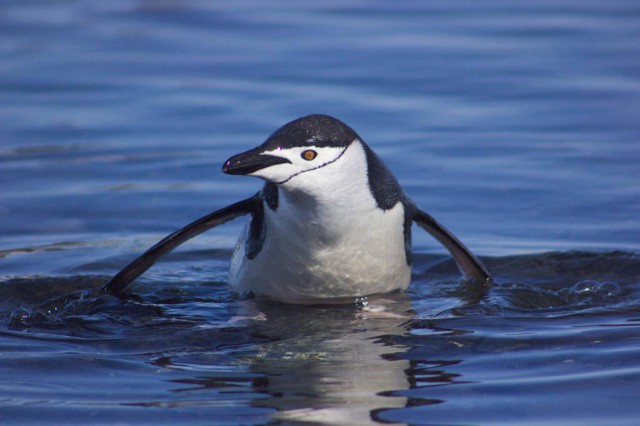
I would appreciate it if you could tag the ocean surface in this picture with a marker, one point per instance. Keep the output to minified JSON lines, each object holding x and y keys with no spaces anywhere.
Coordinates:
{"x":516,"y":124}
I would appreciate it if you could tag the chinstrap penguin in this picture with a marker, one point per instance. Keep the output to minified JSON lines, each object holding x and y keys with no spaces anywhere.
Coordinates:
{"x":330,"y":224}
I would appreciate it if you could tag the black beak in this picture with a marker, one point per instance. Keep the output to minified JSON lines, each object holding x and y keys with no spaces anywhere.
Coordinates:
{"x":250,"y":162}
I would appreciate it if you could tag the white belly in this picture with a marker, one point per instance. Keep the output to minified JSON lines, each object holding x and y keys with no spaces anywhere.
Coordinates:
{"x":319,"y":258}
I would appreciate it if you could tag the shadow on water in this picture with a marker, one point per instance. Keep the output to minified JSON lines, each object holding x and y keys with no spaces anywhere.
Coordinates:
{"x":387,"y":359}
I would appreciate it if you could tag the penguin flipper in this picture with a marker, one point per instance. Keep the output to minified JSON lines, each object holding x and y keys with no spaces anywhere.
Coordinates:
{"x":136,"y":268}
{"x":470,"y":266}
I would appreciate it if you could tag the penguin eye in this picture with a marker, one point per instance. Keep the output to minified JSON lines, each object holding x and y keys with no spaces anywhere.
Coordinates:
{"x":309,"y":154}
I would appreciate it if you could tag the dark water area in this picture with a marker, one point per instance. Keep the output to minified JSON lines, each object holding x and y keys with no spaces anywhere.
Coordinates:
{"x":516,"y":125}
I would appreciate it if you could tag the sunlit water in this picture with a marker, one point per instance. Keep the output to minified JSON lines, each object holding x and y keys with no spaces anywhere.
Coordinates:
{"x":515,"y":125}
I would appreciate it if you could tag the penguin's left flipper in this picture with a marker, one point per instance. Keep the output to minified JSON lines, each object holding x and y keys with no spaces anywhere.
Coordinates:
{"x":136,"y":268}
{"x":470,"y":266}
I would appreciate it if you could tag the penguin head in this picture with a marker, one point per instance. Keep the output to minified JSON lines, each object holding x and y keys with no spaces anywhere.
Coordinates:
{"x":296,"y":152}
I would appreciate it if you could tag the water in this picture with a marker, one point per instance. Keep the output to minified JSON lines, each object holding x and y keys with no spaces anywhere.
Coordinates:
{"x":514,"y":124}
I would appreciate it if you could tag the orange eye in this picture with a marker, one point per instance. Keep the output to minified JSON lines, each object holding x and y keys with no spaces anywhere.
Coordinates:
{"x":309,"y":154}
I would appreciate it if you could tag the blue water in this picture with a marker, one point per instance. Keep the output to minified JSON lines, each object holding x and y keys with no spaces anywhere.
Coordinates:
{"x":515,"y":124}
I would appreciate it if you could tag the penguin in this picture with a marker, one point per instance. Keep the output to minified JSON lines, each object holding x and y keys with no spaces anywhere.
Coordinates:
{"x":330,"y":224}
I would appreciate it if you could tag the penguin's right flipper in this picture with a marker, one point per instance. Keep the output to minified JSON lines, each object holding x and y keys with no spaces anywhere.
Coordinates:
{"x":136,"y":268}
{"x":470,"y":266}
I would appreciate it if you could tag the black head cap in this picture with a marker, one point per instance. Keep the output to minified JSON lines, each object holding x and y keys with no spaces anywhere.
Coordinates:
{"x":318,"y":130}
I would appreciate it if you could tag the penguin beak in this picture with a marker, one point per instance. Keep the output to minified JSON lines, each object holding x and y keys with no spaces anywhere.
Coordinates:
{"x":250,"y":162}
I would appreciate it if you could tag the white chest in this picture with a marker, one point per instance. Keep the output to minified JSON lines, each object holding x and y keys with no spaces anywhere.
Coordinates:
{"x":309,"y":256}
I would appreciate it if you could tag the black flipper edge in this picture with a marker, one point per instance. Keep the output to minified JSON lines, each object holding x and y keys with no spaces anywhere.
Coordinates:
{"x":136,"y":268}
{"x":469,"y":265}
